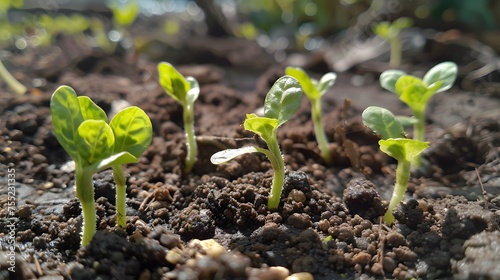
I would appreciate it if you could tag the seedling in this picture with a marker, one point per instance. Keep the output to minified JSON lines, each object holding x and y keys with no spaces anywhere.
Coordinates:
{"x":11,"y":82}
{"x":390,"y":32}
{"x":416,"y":92}
{"x":82,"y":130}
{"x":314,"y":90}
{"x":184,"y":90}
{"x":281,"y":103}
{"x":404,"y":150}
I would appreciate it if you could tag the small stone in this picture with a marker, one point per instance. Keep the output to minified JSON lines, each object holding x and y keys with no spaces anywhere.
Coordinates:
{"x":38,"y":158}
{"x":299,"y":220}
{"x":377,"y":269}
{"x":389,"y":264}
{"x":300,"y":276}
{"x":173,"y":257}
{"x":24,"y":212}
{"x":297,"y":196}
{"x":170,"y":241}
{"x":394,"y":239}
{"x":212,"y":248}
{"x":362,"y":258}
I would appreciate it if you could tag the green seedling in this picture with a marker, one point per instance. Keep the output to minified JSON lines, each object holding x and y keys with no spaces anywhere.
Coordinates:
{"x":281,"y":103}
{"x":314,"y":90}
{"x":416,"y":92}
{"x":11,"y":82}
{"x":393,"y":143}
{"x":390,"y":32}
{"x":81,"y":128}
{"x":184,"y":90}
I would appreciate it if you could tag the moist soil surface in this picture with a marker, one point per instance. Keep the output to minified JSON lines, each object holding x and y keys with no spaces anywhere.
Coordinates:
{"x":214,"y":222}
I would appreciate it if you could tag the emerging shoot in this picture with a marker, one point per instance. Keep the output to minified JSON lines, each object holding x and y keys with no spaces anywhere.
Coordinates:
{"x":82,"y":130}
{"x":11,"y":82}
{"x":416,"y":92}
{"x":281,"y":103}
{"x":404,"y":150}
{"x":185,"y":91}
{"x":314,"y":90}
{"x":390,"y":32}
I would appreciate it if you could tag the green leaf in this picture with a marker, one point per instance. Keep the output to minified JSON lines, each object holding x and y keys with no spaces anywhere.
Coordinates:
{"x":402,"y":148}
{"x":194,"y":90}
{"x":66,"y":118}
{"x":125,"y":14}
{"x":283,"y":99}
{"x":261,"y":126}
{"x":405,"y":81}
{"x":382,"y":122}
{"x":382,"y":29}
{"x":94,"y":140}
{"x":90,"y":110}
{"x":445,"y":72}
{"x":115,"y":159}
{"x":305,"y":81}
{"x":389,"y":78}
{"x":229,"y":154}
{"x":401,"y":23}
{"x":132,"y":130}
{"x":326,"y":82}
{"x":406,"y":121}
{"x":416,"y":96}
{"x":173,"y":82}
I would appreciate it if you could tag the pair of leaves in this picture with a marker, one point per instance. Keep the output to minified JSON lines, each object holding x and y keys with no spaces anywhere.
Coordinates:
{"x":391,"y":132}
{"x":184,"y":90}
{"x":82,"y":130}
{"x":389,"y":30}
{"x":282,"y":101}
{"x":312,"y":88}
{"x":416,"y":92}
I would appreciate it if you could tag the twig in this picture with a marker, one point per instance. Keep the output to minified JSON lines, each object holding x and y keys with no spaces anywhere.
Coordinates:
{"x":485,"y":194}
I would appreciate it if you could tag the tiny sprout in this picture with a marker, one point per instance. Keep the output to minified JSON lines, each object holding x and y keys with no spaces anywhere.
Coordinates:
{"x":416,"y":92}
{"x":314,"y":90}
{"x":404,"y":150}
{"x":390,"y":32}
{"x":281,"y":103}
{"x":81,"y":128}
{"x":185,"y":91}
{"x":11,"y":82}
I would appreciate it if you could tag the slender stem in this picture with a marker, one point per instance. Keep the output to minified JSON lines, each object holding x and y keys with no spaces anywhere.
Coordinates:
{"x":11,"y":82}
{"x":402,"y":178}
{"x":121,"y":212}
{"x":418,"y":134}
{"x":192,"y":147}
{"x":396,"y":52}
{"x":85,"y":193}
{"x":276,"y":159}
{"x":319,"y":130}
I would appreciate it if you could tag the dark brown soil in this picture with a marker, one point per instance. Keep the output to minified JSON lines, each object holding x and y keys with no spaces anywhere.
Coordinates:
{"x":214,"y":223}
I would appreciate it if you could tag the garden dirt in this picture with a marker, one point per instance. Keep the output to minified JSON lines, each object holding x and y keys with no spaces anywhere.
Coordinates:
{"x":214,"y":222}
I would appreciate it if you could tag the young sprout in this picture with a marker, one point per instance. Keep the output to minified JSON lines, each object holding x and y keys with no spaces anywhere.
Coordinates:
{"x":416,"y":92}
{"x":11,"y":82}
{"x":81,"y":128}
{"x":314,"y":90}
{"x":185,"y":91}
{"x":390,"y":32}
{"x":404,"y":150}
{"x":281,"y":103}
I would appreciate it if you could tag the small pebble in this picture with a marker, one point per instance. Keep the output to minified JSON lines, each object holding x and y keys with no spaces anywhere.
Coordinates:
{"x":212,"y":248}
{"x":300,"y":276}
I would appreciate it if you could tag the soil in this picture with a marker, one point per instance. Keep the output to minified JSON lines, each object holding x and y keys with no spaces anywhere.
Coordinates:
{"x":214,"y":222}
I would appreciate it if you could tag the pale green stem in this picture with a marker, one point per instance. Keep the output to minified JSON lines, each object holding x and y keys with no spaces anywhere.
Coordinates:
{"x":121,"y":212}
{"x":85,"y":193}
{"x":396,"y":52}
{"x":11,"y":82}
{"x":319,"y":130}
{"x":192,"y":147}
{"x":278,"y":164}
{"x":402,"y":178}
{"x":418,"y":134}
